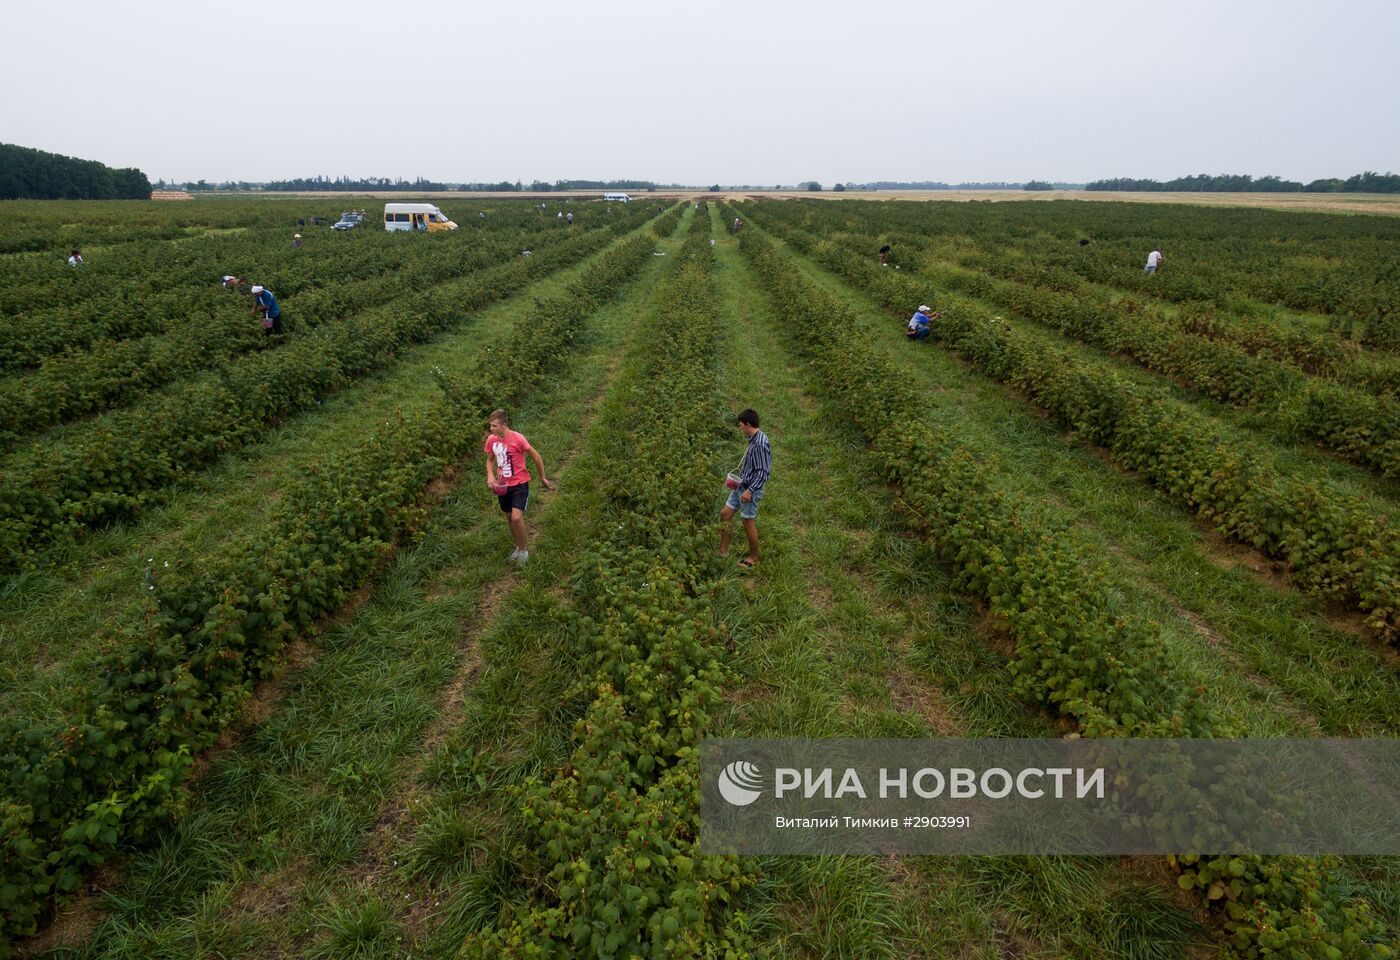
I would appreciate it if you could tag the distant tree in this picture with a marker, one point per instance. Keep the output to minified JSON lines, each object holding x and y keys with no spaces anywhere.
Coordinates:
{"x":1235,"y":182}
{"x":343,"y":182}
{"x":26,"y":173}
{"x":604,"y":185}
{"x":812,"y":186}
{"x":898,"y":185}
{"x":839,"y":188}
{"x":1277,"y":185}
{"x":1370,"y":182}
{"x":714,"y":188}
{"x":1039,"y":185}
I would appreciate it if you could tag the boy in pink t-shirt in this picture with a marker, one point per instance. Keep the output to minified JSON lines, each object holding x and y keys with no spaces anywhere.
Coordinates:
{"x":508,"y":476}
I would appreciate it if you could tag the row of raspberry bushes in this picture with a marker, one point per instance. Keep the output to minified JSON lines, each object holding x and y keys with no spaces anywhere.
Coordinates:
{"x":153,"y":288}
{"x":1255,"y":327}
{"x":244,"y":237}
{"x":33,"y":226}
{"x":1256,"y":364}
{"x":1313,"y":351}
{"x":1354,"y":424}
{"x":112,"y":372}
{"x":1361,"y":299}
{"x":114,"y":466}
{"x":1335,"y":545}
{"x":612,"y":854}
{"x":1074,"y":656}
{"x":157,"y":290}
{"x":665,"y":225}
{"x":1107,"y":674}
{"x":110,"y":774}
{"x":1243,"y":262}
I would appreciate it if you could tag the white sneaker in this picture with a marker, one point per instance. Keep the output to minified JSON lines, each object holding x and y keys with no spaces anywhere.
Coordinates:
{"x":520,"y":556}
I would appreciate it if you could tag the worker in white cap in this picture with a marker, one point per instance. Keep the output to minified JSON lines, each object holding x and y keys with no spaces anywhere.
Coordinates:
{"x":266,"y":304}
{"x":296,"y":240}
{"x":918,"y":328}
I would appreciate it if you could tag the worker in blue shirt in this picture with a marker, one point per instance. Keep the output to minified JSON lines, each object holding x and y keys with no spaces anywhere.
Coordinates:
{"x":746,"y":489}
{"x":266,"y":304}
{"x":918,"y":328}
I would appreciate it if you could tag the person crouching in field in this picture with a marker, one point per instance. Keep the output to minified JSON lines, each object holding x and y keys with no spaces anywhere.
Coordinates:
{"x":747,"y":491}
{"x":1154,"y":260}
{"x":918,"y":328}
{"x":509,"y":477}
{"x":266,"y":304}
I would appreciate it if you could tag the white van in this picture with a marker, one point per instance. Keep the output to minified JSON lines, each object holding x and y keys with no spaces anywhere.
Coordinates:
{"x":622,"y":197}
{"x":415,"y":216}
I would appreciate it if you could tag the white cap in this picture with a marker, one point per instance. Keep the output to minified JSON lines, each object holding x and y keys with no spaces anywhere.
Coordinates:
{"x":257,"y":290}
{"x":923,"y":308}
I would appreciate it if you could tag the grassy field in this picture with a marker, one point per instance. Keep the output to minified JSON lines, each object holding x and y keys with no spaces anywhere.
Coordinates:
{"x":1379,"y":203}
{"x":408,"y":746}
{"x":1383,"y":203}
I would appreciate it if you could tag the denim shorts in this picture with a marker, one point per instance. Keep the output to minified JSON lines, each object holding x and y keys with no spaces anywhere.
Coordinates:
{"x":748,"y":511}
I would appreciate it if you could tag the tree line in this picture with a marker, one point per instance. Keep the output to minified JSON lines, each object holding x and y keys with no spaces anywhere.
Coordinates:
{"x":29,"y":174}
{"x":1367,"y":182}
{"x":417,"y":185}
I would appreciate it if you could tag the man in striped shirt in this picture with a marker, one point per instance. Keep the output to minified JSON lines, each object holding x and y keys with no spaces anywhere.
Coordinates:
{"x":753,"y":477}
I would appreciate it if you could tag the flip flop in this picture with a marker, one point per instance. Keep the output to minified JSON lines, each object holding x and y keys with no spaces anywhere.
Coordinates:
{"x":745,"y":564}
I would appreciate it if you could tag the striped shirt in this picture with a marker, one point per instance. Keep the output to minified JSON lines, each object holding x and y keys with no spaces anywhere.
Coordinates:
{"x":757,"y":464}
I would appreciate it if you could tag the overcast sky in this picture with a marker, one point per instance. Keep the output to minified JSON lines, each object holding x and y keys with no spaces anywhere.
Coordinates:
{"x":735,"y":92}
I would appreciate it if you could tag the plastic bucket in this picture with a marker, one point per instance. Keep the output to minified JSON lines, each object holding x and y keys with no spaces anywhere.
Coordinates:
{"x":732,"y":481}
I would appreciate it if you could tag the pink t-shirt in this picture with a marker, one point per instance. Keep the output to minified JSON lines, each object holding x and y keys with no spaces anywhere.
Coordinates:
{"x":509,"y":452}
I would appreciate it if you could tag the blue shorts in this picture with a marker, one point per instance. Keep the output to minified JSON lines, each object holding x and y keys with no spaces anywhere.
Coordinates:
{"x":748,"y":511}
{"x":515,"y":498}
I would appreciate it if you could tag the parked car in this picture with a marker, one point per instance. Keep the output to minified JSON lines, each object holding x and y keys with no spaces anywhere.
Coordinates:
{"x":348,"y":220}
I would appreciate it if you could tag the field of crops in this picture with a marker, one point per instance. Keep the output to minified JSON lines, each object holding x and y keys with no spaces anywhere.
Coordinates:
{"x":270,"y":684}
